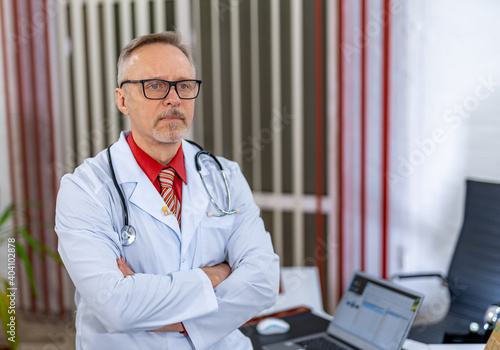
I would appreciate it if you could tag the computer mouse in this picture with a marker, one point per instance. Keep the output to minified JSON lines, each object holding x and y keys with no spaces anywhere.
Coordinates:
{"x":272,"y":325}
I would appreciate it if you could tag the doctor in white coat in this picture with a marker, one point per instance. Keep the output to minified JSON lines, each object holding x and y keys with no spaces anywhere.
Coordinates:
{"x":178,"y":286}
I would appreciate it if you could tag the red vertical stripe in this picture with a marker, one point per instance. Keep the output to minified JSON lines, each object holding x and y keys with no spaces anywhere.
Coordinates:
{"x":363,"y":166}
{"x":37,"y":166}
{"x":318,"y":14}
{"x":385,"y":136}
{"x":340,"y":145}
{"x":52,"y":132}
{"x":18,"y":35}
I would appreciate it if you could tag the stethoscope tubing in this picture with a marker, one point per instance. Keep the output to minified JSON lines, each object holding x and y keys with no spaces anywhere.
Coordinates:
{"x":128,"y":234}
{"x":222,"y":212}
{"x":122,"y":197}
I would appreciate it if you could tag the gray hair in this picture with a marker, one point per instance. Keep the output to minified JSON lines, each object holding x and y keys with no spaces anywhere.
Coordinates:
{"x":168,"y":38}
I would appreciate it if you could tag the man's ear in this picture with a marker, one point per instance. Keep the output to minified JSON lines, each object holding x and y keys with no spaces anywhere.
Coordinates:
{"x":120,"y":101}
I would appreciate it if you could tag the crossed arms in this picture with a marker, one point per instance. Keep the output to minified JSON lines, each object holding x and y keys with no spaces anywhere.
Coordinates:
{"x":216,"y":274}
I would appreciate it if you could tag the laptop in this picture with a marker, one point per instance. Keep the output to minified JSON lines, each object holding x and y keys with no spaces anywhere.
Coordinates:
{"x":373,"y":314}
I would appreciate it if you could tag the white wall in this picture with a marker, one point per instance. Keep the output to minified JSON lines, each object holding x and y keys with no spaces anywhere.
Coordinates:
{"x":452,"y":124}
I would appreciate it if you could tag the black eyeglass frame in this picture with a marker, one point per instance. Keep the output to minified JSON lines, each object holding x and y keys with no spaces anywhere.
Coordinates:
{"x":170,"y":84}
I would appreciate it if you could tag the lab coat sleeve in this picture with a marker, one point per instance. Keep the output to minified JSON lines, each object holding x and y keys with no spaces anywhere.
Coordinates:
{"x":254,"y":282}
{"x":136,"y":303}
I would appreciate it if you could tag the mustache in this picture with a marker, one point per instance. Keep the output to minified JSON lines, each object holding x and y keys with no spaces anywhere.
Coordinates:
{"x":171,"y":113}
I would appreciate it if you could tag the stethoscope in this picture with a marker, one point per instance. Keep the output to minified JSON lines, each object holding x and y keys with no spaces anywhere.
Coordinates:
{"x":128,"y":233}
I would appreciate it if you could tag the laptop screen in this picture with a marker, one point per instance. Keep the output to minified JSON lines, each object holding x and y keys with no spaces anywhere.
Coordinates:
{"x":374,"y":314}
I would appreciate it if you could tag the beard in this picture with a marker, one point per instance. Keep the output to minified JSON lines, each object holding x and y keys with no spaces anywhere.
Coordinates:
{"x":173,"y":131}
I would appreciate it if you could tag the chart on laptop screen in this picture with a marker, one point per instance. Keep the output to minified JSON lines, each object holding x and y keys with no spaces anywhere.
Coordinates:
{"x":376,"y":313}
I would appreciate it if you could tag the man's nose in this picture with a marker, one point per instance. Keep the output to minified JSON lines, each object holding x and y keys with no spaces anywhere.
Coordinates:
{"x":172,"y":97}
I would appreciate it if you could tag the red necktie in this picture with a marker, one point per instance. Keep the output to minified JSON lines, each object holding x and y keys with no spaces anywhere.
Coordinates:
{"x":166,"y":178}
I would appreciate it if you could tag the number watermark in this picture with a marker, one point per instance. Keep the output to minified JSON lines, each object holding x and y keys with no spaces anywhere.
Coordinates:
{"x":11,"y":289}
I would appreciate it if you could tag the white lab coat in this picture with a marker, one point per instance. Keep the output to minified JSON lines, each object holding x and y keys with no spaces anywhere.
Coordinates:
{"x":114,"y":312}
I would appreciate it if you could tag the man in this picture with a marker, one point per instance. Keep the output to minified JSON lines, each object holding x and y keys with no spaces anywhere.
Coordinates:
{"x":189,"y":279}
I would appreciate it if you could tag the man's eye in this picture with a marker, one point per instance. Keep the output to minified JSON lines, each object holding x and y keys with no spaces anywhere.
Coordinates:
{"x":155,"y":85}
{"x":184,"y":86}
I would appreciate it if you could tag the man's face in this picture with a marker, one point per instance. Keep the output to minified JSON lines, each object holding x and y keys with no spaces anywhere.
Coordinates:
{"x":156,"y":121}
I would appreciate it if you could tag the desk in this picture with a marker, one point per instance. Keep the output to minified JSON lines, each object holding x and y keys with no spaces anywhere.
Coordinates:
{"x":456,"y":346}
{"x":306,"y":323}
{"x":414,"y":345}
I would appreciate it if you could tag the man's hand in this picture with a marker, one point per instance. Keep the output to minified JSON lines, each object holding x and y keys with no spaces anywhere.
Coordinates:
{"x":176,"y":327}
{"x":124,"y":268}
{"x":217,"y":273}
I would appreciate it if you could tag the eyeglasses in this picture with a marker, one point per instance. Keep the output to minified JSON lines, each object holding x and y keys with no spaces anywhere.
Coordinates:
{"x":156,"y":89}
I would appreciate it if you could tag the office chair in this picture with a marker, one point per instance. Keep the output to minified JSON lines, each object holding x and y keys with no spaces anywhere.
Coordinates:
{"x":473,"y":277}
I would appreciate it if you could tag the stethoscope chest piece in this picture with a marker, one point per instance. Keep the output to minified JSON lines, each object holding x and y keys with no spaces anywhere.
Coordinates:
{"x":128,"y":235}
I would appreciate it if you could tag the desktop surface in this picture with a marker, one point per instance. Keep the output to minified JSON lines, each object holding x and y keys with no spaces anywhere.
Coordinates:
{"x":301,"y":324}
{"x":305,"y":323}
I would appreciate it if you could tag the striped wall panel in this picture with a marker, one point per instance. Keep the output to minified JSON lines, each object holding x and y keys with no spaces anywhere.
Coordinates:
{"x":296,"y":91}
{"x":28,"y":79}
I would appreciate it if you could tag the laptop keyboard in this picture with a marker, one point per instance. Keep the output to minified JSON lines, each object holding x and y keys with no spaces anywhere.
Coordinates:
{"x":321,"y":344}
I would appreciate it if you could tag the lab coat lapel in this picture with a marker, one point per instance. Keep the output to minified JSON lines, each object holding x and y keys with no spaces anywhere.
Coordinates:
{"x":146,"y":197}
{"x":137,"y":187}
{"x":194,"y":198}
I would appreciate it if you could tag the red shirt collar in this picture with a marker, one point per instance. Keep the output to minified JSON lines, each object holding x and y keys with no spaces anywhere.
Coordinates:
{"x":151,"y":167}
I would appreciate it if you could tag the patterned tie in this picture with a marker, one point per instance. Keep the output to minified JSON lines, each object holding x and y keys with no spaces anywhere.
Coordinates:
{"x":166,"y":178}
